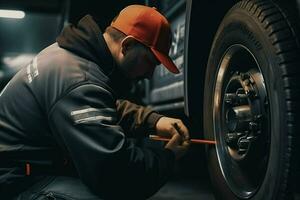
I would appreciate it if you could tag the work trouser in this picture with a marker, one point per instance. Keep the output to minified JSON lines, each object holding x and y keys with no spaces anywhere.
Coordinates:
{"x":58,"y":188}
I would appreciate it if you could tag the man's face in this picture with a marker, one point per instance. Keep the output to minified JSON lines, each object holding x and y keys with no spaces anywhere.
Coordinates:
{"x":139,"y":62}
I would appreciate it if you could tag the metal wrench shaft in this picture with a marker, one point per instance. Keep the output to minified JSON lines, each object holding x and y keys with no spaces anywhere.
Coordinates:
{"x":193,"y":141}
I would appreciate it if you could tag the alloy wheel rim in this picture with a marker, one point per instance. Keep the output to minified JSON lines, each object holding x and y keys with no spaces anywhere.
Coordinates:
{"x":241,"y":121}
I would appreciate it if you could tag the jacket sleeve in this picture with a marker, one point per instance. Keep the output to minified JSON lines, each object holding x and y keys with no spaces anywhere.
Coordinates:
{"x":136,"y":120}
{"x":84,"y":121}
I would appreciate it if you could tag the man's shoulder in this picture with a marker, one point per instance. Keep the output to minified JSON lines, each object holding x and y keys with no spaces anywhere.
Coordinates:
{"x":55,"y":56}
{"x":66,"y":69}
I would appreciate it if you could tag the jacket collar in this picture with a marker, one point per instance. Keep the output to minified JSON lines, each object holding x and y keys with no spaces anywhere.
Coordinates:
{"x":86,"y":40}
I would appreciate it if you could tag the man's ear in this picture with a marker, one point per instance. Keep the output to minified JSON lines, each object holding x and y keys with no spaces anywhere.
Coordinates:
{"x":127,"y":43}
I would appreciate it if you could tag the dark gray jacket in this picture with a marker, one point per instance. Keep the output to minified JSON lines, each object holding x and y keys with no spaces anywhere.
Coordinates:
{"x":62,"y":111}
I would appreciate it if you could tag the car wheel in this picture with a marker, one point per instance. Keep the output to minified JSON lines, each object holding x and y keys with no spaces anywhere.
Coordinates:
{"x":251,"y":103}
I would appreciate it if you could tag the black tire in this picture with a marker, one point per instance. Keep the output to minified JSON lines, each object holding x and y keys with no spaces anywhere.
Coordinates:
{"x":251,"y":103}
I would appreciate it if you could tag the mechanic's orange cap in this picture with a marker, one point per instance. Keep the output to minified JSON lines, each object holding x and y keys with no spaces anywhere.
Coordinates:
{"x":149,"y":27}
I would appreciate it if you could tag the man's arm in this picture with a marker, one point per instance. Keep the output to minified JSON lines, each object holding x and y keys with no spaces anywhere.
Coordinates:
{"x":84,"y":121}
{"x":136,"y":120}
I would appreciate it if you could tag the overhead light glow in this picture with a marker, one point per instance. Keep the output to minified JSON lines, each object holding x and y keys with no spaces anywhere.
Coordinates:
{"x":17,"y":14}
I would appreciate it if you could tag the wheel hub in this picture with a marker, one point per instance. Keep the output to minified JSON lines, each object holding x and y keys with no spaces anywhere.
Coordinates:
{"x":242,"y":114}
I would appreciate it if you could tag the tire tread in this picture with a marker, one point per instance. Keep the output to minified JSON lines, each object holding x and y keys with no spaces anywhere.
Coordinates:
{"x":283,"y":28}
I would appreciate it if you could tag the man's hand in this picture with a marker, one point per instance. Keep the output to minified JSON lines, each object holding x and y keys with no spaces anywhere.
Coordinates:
{"x":168,"y":127}
{"x":177,"y":131}
{"x":178,"y":145}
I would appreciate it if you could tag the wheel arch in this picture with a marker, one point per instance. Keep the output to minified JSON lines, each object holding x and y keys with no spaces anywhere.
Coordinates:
{"x":199,"y":35}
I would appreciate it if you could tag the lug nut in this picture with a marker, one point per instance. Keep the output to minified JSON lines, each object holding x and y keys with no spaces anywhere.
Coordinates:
{"x":253,"y":126}
{"x":258,"y":117}
{"x":247,"y":82}
{"x":243,"y":145}
{"x":251,"y":138}
{"x":251,"y":94}
{"x":230,"y":98}
{"x":231,"y":138}
{"x":245,"y":76}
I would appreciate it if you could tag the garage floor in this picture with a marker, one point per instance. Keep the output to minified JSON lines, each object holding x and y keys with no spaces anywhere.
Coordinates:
{"x":185,"y":189}
{"x":190,"y":180}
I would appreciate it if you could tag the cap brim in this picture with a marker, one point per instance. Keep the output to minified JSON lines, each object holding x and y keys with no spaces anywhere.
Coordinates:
{"x":166,"y":61}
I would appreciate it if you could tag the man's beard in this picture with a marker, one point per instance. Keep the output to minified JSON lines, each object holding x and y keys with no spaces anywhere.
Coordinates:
{"x":129,"y":64}
{"x":121,"y":82}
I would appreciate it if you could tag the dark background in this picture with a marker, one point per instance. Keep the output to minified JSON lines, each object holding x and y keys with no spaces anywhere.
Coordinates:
{"x":102,"y":11}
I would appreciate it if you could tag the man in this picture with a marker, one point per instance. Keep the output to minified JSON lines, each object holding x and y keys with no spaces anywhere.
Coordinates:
{"x":63,"y":132}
